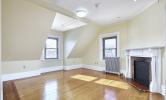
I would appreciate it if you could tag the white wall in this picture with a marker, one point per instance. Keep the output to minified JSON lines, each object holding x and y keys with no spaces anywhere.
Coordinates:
{"x":86,"y":36}
{"x":10,"y":67}
{"x":72,"y":61}
{"x":165,"y":49}
{"x":25,"y":27}
{"x":147,"y":29}
{"x":76,"y":42}
{"x":1,"y":87}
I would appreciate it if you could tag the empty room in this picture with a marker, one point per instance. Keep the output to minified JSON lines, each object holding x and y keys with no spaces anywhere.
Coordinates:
{"x":82,"y":50}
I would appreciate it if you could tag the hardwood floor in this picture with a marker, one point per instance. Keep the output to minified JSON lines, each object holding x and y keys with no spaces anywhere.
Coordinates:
{"x":10,"y":92}
{"x":60,"y":86}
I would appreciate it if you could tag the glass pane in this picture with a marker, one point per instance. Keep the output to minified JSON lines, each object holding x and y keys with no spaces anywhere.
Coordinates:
{"x":51,"y":43}
{"x":110,"y":52}
{"x":110,"y":43}
{"x":51,"y":53}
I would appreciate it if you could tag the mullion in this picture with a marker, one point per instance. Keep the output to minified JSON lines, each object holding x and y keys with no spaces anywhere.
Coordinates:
{"x":51,"y":48}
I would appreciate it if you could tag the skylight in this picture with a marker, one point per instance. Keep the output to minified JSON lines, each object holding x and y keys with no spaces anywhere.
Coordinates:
{"x":64,"y":23}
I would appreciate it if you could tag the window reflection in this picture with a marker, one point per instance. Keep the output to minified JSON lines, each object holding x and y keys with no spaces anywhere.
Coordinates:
{"x":51,"y":91}
{"x":110,"y":95}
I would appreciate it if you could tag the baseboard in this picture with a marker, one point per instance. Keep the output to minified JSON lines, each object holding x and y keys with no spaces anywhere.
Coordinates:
{"x":163,"y":90}
{"x":70,"y":67}
{"x":93,"y":67}
{"x":20,"y":75}
{"x":7,"y":77}
{"x":99,"y":68}
{"x":50,"y":69}
{"x":123,"y":71}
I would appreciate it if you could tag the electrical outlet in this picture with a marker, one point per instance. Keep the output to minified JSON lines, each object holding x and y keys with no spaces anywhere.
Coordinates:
{"x":24,"y":67}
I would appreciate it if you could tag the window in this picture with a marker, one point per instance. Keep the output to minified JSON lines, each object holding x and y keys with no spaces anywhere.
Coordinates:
{"x":110,"y":47}
{"x":51,"y":48}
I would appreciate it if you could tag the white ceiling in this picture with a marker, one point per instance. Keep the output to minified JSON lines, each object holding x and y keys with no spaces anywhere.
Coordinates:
{"x":108,"y":11}
{"x":64,"y":23}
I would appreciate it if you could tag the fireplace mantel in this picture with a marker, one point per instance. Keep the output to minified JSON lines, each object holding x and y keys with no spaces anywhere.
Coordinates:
{"x":155,"y":55}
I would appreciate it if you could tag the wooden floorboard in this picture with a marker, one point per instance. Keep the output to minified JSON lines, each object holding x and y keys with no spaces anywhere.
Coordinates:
{"x":60,"y":86}
{"x":10,"y":92}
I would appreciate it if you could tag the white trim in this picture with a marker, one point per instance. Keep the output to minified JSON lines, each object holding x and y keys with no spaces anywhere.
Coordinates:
{"x":123,"y":71}
{"x":7,"y":77}
{"x":163,"y":90}
{"x":100,"y":68}
{"x":101,"y":42}
{"x":50,"y":69}
{"x":70,"y":67}
{"x":93,"y":67}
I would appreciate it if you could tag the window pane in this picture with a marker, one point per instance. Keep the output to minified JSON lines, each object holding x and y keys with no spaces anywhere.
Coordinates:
{"x":51,"y":53}
{"x":110,"y":43}
{"x":51,"y":43}
{"x":110,"y":52}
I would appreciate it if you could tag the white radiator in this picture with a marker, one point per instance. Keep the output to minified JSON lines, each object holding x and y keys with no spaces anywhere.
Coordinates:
{"x":113,"y":65}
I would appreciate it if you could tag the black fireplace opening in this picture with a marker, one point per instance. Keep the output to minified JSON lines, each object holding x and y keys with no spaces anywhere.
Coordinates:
{"x":142,"y":71}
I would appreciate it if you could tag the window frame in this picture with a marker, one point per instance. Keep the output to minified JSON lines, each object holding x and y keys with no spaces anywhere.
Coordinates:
{"x":57,"y":51}
{"x":103,"y":45}
{"x":100,"y":44}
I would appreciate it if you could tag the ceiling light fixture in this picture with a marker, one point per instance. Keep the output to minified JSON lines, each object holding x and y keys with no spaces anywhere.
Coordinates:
{"x":81,"y":13}
{"x":135,"y":0}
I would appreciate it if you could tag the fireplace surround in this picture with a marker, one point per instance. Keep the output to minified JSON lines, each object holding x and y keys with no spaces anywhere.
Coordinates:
{"x":154,"y":56}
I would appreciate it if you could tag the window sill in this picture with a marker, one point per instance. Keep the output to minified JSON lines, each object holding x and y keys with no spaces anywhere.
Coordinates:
{"x":51,"y":59}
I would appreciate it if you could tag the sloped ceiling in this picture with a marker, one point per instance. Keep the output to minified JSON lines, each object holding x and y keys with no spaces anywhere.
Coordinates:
{"x":24,"y":29}
{"x":77,"y":40}
{"x":56,"y":8}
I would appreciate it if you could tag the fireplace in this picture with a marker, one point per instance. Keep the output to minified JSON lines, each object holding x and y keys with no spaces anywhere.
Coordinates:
{"x":145,"y":61}
{"x":142,"y":70}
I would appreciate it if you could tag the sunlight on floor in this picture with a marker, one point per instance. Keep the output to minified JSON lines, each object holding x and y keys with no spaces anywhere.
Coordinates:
{"x":84,"y":77}
{"x":113,"y":83}
{"x":107,"y":82}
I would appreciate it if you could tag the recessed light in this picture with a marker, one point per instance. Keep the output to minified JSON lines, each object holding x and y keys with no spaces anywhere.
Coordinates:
{"x":81,"y":12}
{"x":135,"y":0}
